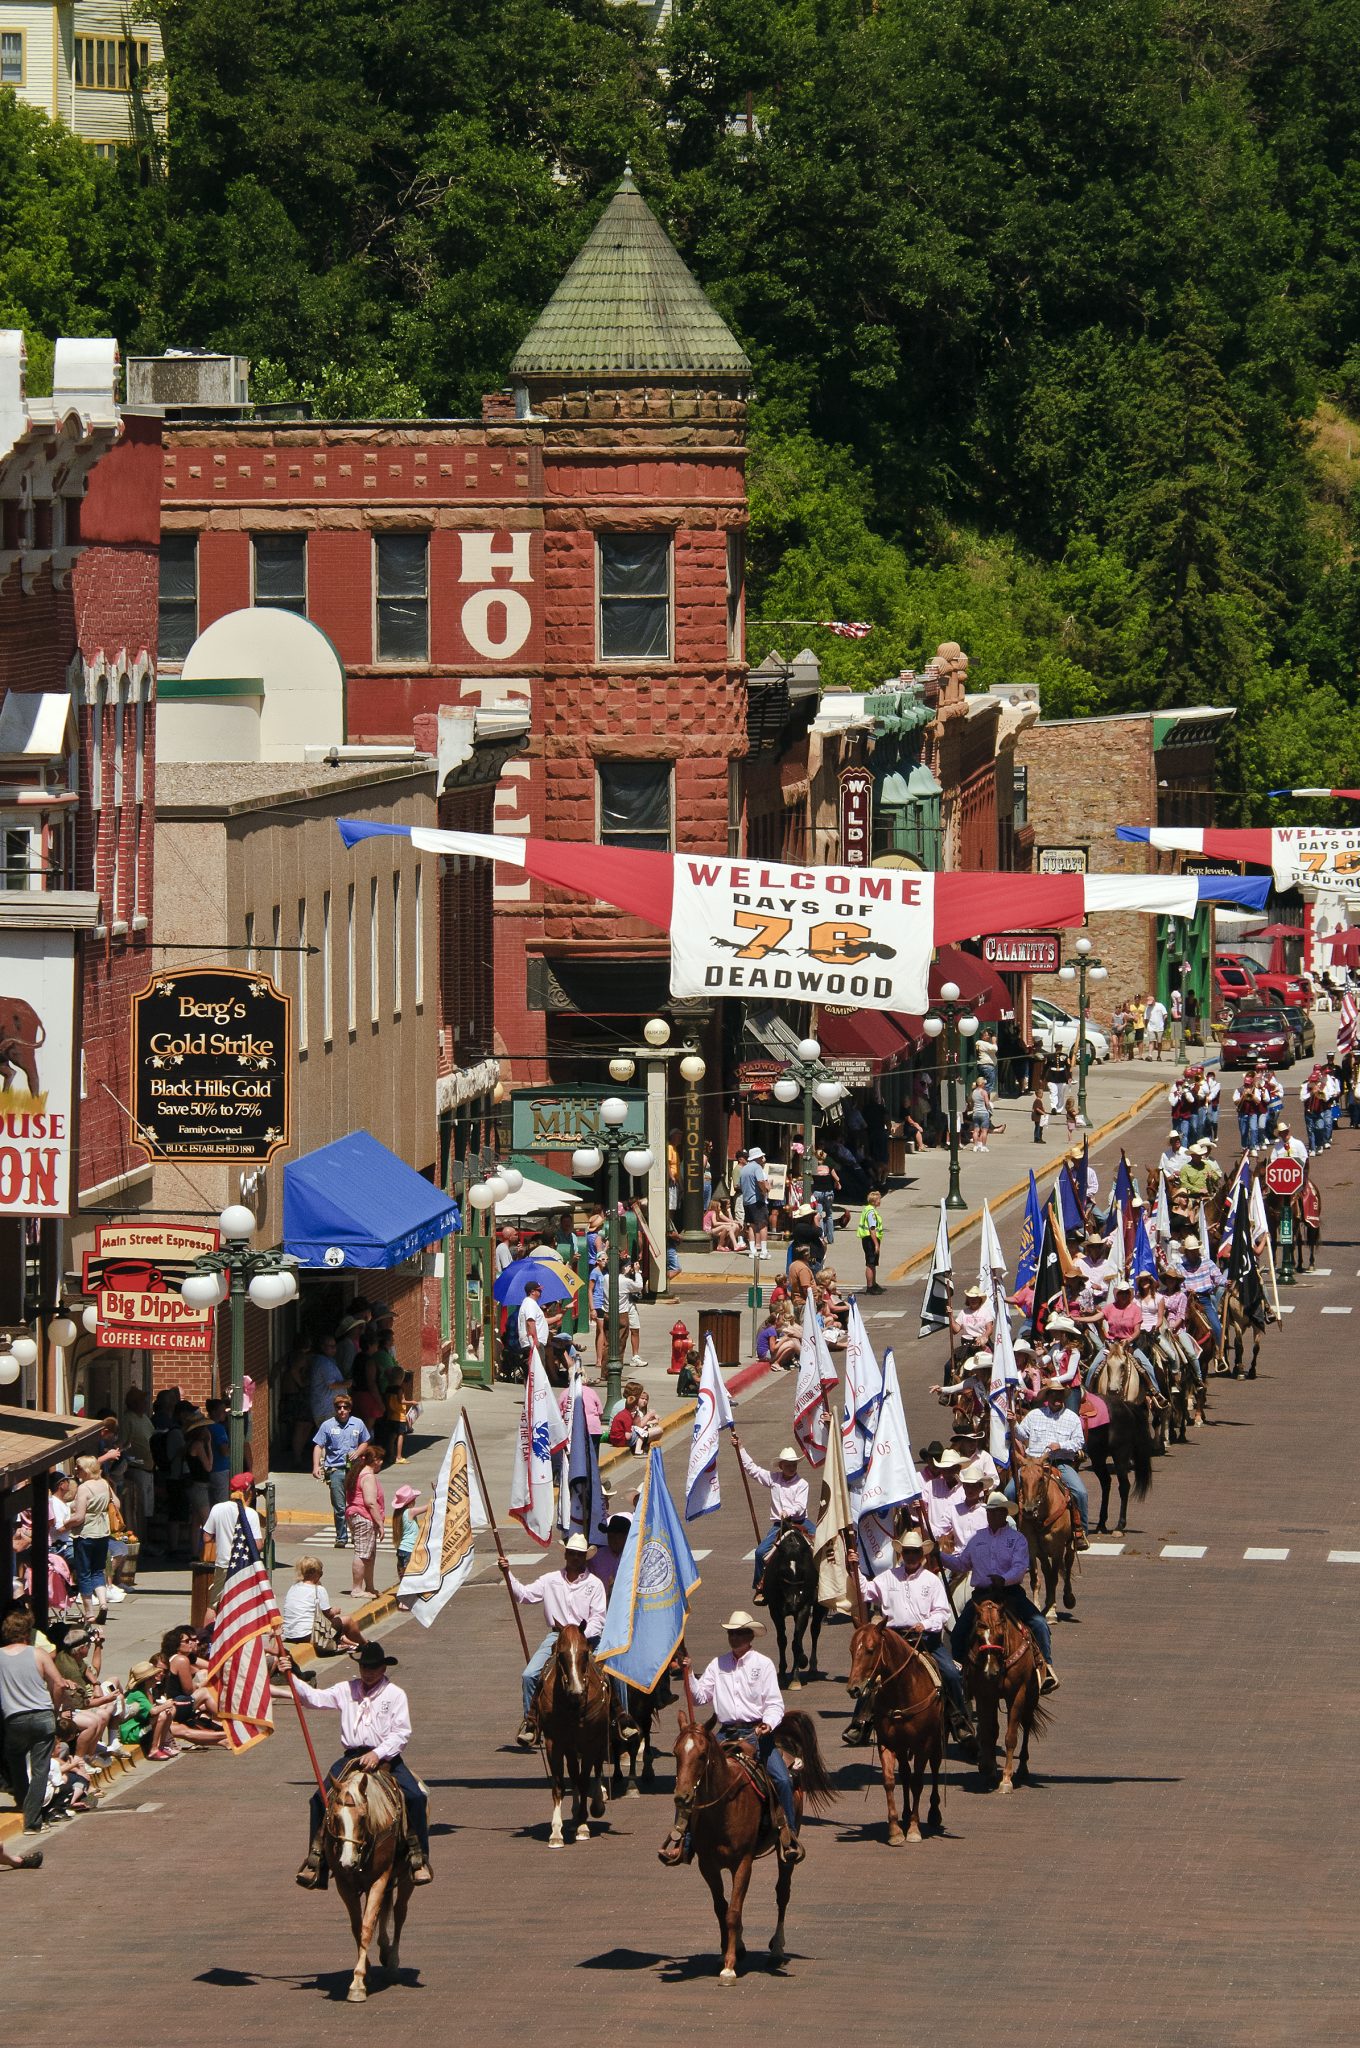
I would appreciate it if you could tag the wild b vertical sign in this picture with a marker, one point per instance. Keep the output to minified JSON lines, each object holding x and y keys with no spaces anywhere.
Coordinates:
{"x":37,"y":1071}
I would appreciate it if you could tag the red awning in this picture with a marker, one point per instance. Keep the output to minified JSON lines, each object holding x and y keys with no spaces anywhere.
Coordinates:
{"x":864,"y":1035}
{"x":978,"y":985}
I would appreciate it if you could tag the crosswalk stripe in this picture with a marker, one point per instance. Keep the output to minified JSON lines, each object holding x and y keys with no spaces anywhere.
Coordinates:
{"x":1336,"y":1311}
{"x":1184,"y":1549}
{"x":1343,"y":1557}
{"x":1105,"y":1550}
{"x":1265,"y":1556}
{"x":1320,"y":1272}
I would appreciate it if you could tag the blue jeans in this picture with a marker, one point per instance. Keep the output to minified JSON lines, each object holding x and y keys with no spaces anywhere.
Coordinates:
{"x":1021,"y":1606}
{"x":538,"y":1664}
{"x":770,"y":1754}
{"x":767,"y":1543}
{"x":335,"y":1480}
{"x":1209,"y":1303}
{"x":417,"y":1802}
{"x":826,"y":1209}
{"x":1318,"y":1125}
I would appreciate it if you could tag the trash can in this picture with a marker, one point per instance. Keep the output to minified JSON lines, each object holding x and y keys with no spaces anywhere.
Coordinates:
{"x":723,"y":1325}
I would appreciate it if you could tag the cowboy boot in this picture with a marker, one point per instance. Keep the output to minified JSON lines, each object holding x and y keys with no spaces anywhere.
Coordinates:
{"x":528,"y":1736}
{"x":421,"y":1872}
{"x":1079,"y":1536}
{"x":1048,"y":1677}
{"x":856,"y":1732}
{"x":758,"y":1596}
{"x":312,"y":1875}
{"x":791,"y":1849}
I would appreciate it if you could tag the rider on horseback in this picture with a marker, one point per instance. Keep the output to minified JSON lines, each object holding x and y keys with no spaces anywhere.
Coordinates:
{"x":913,"y":1601}
{"x":1054,"y":1434}
{"x":375,"y":1727}
{"x":788,"y":1504}
{"x":571,"y":1598}
{"x":743,"y":1689}
{"x":997,"y":1560}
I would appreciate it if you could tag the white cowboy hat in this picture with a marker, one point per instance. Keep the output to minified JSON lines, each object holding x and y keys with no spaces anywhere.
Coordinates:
{"x":741,"y":1623}
{"x":576,"y":1546}
{"x":972,"y":1475}
{"x":1061,"y":1323}
{"x":1123,"y":1285}
{"x":947,"y":1461}
{"x":1054,"y":1387}
{"x":1022,"y":1344}
{"x":981,"y":1361}
{"x":912,"y":1540}
{"x":974,"y":1293}
{"x":788,"y":1456}
{"x":998,"y":1500}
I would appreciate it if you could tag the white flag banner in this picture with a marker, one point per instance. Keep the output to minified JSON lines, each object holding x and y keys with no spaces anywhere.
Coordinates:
{"x":581,"y":1505}
{"x":890,"y":1478}
{"x":939,"y":1281}
{"x":1005,"y":1375}
{"x":542,"y":1433}
{"x":834,"y":1518}
{"x":991,"y":1258}
{"x":443,"y":1556}
{"x":1259,"y":1228}
{"x":1163,"y":1211}
{"x":861,"y":937}
{"x":863,"y":1392}
{"x":712,"y":1415}
{"x":816,"y":1374}
{"x":1204,"y":1250}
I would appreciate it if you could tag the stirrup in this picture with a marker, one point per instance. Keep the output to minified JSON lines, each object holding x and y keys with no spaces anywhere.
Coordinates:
{"x":791,"y":1849}
{"x":312,"y":1875}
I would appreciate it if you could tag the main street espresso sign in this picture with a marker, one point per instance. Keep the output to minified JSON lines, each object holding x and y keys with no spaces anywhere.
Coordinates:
{"x":211,"y":1065}
{"x":134,"y":1275}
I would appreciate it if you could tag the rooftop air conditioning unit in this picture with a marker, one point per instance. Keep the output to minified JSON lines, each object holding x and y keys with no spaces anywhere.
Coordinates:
{"x":188,"y":382}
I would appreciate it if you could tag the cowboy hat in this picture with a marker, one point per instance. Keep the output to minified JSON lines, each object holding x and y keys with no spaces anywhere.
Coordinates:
{"x":1061,"y":1323}
{"x":972,"y":1475}
{"x":372,"y":1657}
{"x":981,"y":1361}
{"x":912,"y":1540}
{"x":804,"y":1209}
{"x":931,"y":1451}
{"x":1189,"y":1244}
{"x":141,"y":1674}
{"x":405,"y":1496}
{"x":1122,"y":1285}
{"x":998,"y":1500}
{"x":576,"y":1546}
{"x":788,"y":1456}
{"x":739,"y":1622}
{"x":947,"y":1461}
{"x":1022,"y":1344}
{"x":1200,"y":1147}
{"x":975,"y":1293}
{"x":1052,"y":1386}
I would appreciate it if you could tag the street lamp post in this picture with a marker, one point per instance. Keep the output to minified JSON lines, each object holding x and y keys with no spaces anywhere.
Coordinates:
{"x":614,"y":1149}
{"x":227,"y":1277}
{"x":809,"y":1079}
{"x":956,"y":1021}
{"x":1085,"y":967}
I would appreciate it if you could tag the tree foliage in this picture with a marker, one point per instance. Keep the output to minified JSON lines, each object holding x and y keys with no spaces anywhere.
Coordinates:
{"x":1054,"y":308}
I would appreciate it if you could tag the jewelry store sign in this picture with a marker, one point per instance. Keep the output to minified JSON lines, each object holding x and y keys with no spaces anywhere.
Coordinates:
{"x":211,"y":1065}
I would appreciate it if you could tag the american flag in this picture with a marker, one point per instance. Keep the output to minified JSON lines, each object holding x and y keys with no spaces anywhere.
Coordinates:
{"x":847,"y":629}
{"x":1345,"y":1037}
{"x":246,"y":1613}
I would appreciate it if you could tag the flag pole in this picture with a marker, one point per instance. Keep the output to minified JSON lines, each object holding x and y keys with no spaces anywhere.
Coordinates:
{"x":302,"y":1723}
{"x":746,"y":1488}
{"x":496,"y":1535}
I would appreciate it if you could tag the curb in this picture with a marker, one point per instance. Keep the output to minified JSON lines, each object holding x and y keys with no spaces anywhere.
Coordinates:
{"x":972,"y":1217}
{"x":746,"y":1377}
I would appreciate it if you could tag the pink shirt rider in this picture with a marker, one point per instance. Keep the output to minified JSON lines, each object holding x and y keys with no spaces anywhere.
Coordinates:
{"x":1123,"y":1324}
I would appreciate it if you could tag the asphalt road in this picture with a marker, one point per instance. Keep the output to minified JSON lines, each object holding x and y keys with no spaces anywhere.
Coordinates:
{"x":1181,"y":1870}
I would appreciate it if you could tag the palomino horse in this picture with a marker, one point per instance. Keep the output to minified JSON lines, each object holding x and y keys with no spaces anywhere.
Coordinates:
{"x":365,"y":1838}
{"x":1238,"y":1325}
{"x":902,"y":1695}
{"x":574,"y":1715}
{"x":790,"y":1587}
{"x":1045,"y":1518}
{"x":1003,"y":1664}
{"x":728,"y":1821}
{"x":1121,"y":1446}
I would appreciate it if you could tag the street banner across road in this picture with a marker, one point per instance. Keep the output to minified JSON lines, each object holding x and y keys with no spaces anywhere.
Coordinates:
{"x":1314,"y":854}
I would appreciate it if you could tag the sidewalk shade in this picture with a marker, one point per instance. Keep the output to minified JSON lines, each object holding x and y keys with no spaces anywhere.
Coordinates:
{"x":354,"y":1203}
{"x":865,"y":1034}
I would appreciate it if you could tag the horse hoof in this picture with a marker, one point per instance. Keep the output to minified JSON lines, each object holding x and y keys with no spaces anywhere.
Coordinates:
{"x":597,"y":1806}
{"x":583,"y":1832}
{"x":1005,"y":1786}
{"x":777,"y":1948}
{"x":914,"y":1835}
{"x":356,"y":1995}
{"x":727,"y":1976}
{"x":633,"y":1791}
{"x":1051,"y":1613}
{"x":795,"y":1685}
{"x":556,"y":1842}
{"x":1069,"y":1601}
{"x":895,"y":1837}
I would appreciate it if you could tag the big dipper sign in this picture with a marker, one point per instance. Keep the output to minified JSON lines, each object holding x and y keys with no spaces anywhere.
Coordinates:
{"x":211,"y":1065}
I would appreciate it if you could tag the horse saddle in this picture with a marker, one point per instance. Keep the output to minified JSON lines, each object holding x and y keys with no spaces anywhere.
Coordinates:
{"x":744,"y":1757}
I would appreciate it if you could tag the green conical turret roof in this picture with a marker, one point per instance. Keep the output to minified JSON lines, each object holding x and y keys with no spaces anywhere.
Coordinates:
{"x":628,"y":306}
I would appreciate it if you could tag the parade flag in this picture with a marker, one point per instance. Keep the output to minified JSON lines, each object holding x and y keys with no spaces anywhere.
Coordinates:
{"x":816,"y":1374}
{"x":581,"y":1505}
{"x":890,"y":1478}
{"x":1163,"y":1211}
{"x":1144,"y":1259}
{"x":542,"y":1434}
{"x":1005,"y":1375}
{"x":444,"y":1556}
{"x":1049,"y":1293}
{"x":1345,"y":1037}
{"x":991,"y":1258}
{"x":1070,"y":1212}
{"x":1259,"y":1226}
{"x":863,"y":1392}
{"x":1121,"y":1195}
{"x":834,"y":1518}
{"x":1243,"y":1273}
{"x":247,"y":1612}
{"x":1316,"y":856}
{"x":779,"y":932}
{"x":939,"y":1282}
{"x":1204,"y":1249}
{"x":649,"y":1606}
{"x":1031,"y":1236}
{"x":1241,"y":1179}
{"x":712,"y":1415}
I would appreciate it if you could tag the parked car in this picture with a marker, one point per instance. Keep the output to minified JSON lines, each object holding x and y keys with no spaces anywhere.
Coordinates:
{"x":1257,"y":1034}
{"x":1284,"y":989}
{"x":1305,"y":1036}
{"x":1058,"y":1028}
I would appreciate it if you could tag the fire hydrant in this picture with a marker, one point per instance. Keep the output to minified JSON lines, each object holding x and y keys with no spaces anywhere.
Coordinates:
{"x":680,"y":1342}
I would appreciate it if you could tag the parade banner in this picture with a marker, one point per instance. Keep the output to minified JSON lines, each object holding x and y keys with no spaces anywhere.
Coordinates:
{"x":211,"y":1065}
{"x":541,"y":1435}
{"x":444,"y":1557}
{"x":816,"y":1375}
{"x":134,"y":1275}
{"x":649,"y":1606}
{"x":835,"y":1516}
{"x":712,"y":1415}
{"x":37,"y":1072}
{"x":935,"y":1303}
{"x":863,"y":1392}
{"x":1317,"y":855}
{"x":890,"y":1479}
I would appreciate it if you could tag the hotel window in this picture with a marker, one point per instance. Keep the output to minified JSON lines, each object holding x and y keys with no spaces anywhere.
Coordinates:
{"x":12,"y":56}
{"x":250,"y":940}
{"x":327,"y":970}
{"x":110,"y":63}
{"x":281,"y":572}
{"x":351,"y":986}
{"x":635,"y":804}
{"x":178,"y":595}
{"x":635,"y":596}
{"x":373,"y":976}
{"x":418,"y":969}
{"x":276,"y":931}
{"x":736,"y":563}
{"x":396,"y":944}
{"x":304,"y":968}
{"x":403,"y":596}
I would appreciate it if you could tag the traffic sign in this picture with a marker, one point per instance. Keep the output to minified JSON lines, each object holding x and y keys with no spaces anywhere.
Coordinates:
{"x":1284,"y":1176}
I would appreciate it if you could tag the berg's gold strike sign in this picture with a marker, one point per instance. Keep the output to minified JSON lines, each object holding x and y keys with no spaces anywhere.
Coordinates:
{"x":211,"y":1065}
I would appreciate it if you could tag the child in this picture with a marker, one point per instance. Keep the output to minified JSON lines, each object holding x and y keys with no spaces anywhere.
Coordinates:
{"x":1070,"y":1110}
{"x":687,"y":1386}
{"x":405,"y":1523}
{"x":1038,"y":1111}
{"x":145,"y":1721}
{"x":871,"y":1240}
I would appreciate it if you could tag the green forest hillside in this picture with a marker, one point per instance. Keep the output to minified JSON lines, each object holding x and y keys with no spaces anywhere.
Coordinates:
{"x":1055,"y":308}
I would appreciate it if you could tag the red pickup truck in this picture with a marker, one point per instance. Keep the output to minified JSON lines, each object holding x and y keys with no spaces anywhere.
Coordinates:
{"x":1296,"y":989}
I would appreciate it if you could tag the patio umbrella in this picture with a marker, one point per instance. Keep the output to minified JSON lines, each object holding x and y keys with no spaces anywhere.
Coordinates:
{"x":522,"y":1273}
{"x":1345,"y":944}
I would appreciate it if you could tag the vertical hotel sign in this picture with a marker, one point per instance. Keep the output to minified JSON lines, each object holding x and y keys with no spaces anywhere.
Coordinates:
{"x":37,"y":1071}
{"x":857,"y":799}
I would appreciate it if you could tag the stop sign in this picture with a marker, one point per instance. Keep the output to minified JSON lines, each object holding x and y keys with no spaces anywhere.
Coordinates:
{"x":1284,"y":1176}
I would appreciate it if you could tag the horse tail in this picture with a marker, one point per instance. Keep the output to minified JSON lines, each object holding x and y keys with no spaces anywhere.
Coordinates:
{"x":1039,"y":1716}
{"x":798,"y":1737}
{"x":1140,"y":1450}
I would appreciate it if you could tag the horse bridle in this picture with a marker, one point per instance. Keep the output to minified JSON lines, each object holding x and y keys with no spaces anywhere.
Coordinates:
{"x":874,"y":1683}
{"x":687,"y":1804}
{"x":363,"y":1835}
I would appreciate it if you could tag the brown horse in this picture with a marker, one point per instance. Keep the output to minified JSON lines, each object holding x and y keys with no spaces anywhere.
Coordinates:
{"x":891,"y":1676}
{"x":574,"y":1715}
{"x":1045,"y":1518}
{"x":365,"y":1838}
{"x":1003,"y":1664}
{"x":728,"y":1821}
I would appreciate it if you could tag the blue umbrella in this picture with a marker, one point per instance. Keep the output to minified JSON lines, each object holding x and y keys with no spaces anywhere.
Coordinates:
{"x":509,"y":1289}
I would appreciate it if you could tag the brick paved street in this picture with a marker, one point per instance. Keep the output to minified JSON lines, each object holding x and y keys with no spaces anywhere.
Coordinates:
{"x":1182,"y":1870}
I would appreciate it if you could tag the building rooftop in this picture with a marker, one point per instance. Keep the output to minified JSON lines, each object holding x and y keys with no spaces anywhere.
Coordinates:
{"x":227,"y":788}
{"x":629,"y":306}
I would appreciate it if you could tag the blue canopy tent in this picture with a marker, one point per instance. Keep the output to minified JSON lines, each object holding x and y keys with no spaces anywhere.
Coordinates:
{"x":354,"y":1203}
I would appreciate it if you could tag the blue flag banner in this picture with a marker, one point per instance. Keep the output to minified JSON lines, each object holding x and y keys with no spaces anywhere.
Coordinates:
{"x":1143,"y":1259}
{"x":1069,"y":1208}
{"x":1031,"y":1234}
{"x":649,"y":1606}
{"x":1122,"y":1195}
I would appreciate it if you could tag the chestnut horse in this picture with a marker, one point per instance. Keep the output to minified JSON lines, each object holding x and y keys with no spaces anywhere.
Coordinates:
{"x":1043,"y":1510}
{"x":574,"y":1715}
{"x":365,"y":1838}
{"x":728,"y":1821}
{"x":905,"y":1702}
{"x":1003,"y":1664}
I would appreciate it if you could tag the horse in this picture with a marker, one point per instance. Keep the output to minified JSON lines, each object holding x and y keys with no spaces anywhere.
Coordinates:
{"x":365,"y":1840}
{"x":574,"y":1715}
{"x":904,"y":1699}
{"x":1003,"y":1663}
{"x":1117,"y":1378}
{"x":643,"y":1708}
{"x":728,"y":1821}
{"x":1045,"y":1518}
{"x":1237,"y":1323}
{"x":790,"y":1587}
{"x":1121,"y":1446}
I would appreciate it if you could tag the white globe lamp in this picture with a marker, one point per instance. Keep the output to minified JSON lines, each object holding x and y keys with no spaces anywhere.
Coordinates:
{"x":9,"y":1368}
{"x":201,"y":1290}
{"x":656,"y":1031}
{"x":638,"y":1161}
{"x":25,"y":1350}
{"x":586,"y":1161}
{"x":62,"y":1331}
{"x":237,"y":1223}
{"x":809,"y":1049}
{"x":786,"y":1090}
{"x":613,"y":1110}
